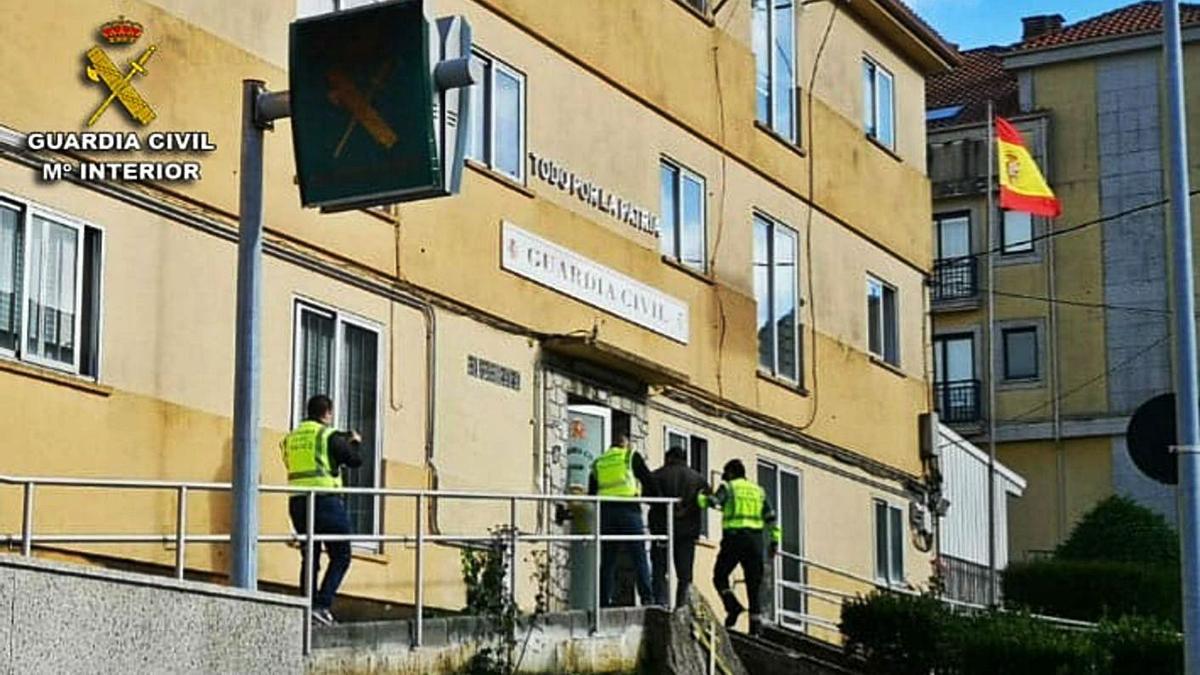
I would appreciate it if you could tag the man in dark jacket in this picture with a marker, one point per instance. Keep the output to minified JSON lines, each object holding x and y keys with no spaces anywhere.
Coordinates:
{"x":314,"y":454}
{"x":676,"y":479}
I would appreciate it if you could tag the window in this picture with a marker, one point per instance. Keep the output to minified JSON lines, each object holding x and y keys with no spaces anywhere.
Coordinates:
{"x":952,"y":236}
{"x":1016,"y":229}
{"x":682,"y":234}
{"x":883,"y":330}
{"x":775,"y":65}
{"x":496,"y":128}
{"x":49,"y":289}
{"x":776,"y":293}
{"x":955,"y":389}
{"x":696,"y":448}
{"x":338,"y":355}
{"x":1020,"y":353}
{"x":783,"y":489}
{"x":889,"y":543}
{"x":879,"y":110}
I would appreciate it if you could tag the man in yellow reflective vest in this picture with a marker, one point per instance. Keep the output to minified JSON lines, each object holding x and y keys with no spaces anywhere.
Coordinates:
{"x":314,"y":454}
{"x":746,"y":513}
{"x":621,"y":472}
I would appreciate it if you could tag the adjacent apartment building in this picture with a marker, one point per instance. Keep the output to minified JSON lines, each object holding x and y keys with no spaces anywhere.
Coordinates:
{"x":702,"y":223}
{"x":1082,"y":312}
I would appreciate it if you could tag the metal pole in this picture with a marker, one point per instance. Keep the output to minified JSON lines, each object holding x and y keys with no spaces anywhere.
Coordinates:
{"x":991,"y":342}
{"x":247,"y":364}
{"x":310,"y":562}
{"x":512,"y":550}
{"x":596,"y":568}
{"x":180,"y":529}
{"x":1188,"y":401}
{"x":670,"y":555}
{"x":419,"y":585}
{"x":27,"y":521}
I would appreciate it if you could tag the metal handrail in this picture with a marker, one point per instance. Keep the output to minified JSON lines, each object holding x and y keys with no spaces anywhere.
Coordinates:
{"x":308,"y":539}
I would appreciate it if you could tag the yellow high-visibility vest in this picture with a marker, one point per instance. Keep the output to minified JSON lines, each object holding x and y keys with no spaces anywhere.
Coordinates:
{"x":614,"y":474}
{"x":306,"y":456}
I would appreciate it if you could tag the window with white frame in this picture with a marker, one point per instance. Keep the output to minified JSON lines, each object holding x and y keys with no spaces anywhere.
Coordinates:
{"x":696,"y":449}
{"x":784,"y":490}
{"x":777,"y":295}
{"x":1016,"y":231}
{"x":889,"y":543}
{"x":50,"y":276}
{"x":682,"y":235}
{"x":338,"y":355}
{"x":879,"y":106}
{"x":496,"y":127}
{"x":774,"y":45}
{"x":883,"y":328}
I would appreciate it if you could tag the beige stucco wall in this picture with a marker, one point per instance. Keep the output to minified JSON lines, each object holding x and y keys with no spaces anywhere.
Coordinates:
{"x":162,"y":403}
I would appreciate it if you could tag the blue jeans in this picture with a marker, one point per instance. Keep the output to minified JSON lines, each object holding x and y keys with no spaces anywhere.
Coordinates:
{"x":623,"y":519}
{"x":331,"y":518}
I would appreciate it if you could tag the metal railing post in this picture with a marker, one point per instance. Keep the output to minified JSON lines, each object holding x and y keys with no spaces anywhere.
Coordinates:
{"x":670,"y":555}
{"x":310,"y":517}
{"x":180,"y":529}
{"x":27,"y":520}
{"x":419,"y":581}
{"x":512,"y":555}
{"x":596,"y":569}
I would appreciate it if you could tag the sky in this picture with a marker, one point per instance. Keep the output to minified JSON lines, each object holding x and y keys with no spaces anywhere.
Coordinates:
{"x":977,"y":23}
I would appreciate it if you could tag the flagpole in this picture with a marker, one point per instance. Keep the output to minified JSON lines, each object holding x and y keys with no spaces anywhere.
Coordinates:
{"x":991,"y":357}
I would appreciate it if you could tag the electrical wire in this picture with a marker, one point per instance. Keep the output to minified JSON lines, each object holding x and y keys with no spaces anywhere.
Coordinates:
{"x":1068,"y":230}
{"x":1080,"y":303}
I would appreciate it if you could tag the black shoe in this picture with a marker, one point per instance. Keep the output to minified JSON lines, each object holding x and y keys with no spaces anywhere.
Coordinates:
{"x":731,"y":617}
{"x":756,"y":626}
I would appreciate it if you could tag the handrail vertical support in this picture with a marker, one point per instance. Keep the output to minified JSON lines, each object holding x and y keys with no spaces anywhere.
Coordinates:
{"x":596,"y":569}
{"x":419,"y":581}
{"x":670,"y":555}
{"x":512,"y":547}
{"x":180,"y":529}
{"x":27,"y":520}
{"x":310,"y":517}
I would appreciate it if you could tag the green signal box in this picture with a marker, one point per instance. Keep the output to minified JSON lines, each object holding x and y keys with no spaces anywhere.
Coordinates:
{"x":376,"y":97}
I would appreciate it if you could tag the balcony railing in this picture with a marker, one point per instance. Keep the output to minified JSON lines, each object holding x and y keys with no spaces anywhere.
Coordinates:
{"x":955,"y":279}
{"x":957,"y":402}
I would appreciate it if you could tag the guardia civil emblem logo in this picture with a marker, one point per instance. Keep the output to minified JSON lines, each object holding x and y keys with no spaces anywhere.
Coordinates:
{"x":119,"y":84}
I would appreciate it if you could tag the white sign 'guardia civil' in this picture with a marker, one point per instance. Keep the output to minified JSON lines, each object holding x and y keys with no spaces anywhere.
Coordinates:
{"x":567,"y":272}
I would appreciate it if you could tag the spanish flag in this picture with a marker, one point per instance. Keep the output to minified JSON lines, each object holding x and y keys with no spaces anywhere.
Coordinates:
{"x":1022,"y":187}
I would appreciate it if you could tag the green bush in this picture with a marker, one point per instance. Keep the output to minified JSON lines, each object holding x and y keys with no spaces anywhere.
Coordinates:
{"x":1094,"y":590}
{"x":902,"y":635}
{"x":1119,"y":529}
{"x":1139,"y":645}
{"x":1005,"y":644}
{"x":896,"y":634}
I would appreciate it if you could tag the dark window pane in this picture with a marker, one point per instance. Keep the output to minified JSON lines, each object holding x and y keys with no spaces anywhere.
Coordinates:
{"x":896,"y":533}
{"x":10,"y":277}
{"x":669,"y":176}
{"x":783,"y":53}
{"x":698,"y":460}
{"x":691,"y":223}
{"x":891,"y":327}
{"x":359,"y":387}
{"x":316,"y":357}
{"x":1020,"y":354}
{"x":762,"y":60}
{"x":869,"y":97}
{"x":875,"y":317}
{"x":762,"y":293}
{"x":89,"y":357}
{"x":881,"y":540}
{"x":785,"y":300}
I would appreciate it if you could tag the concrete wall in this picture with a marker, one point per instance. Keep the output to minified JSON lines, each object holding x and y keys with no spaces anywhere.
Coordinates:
{"x":57,"y":618}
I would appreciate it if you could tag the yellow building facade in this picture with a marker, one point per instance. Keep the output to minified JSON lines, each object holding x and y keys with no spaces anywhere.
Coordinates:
{"x":1082,"y":303}
{"x":762,"y":259}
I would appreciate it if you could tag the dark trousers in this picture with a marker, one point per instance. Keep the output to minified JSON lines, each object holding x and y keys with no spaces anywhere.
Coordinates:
{"x":684,"y":552}
{"x":745,"y":548}
{"x":623,"y":519}
{"x":331,"y":518}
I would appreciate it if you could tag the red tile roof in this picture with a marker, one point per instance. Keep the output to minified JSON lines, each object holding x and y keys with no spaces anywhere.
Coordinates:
{"x":980,"y":77}
{"x":1142,"y":17}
